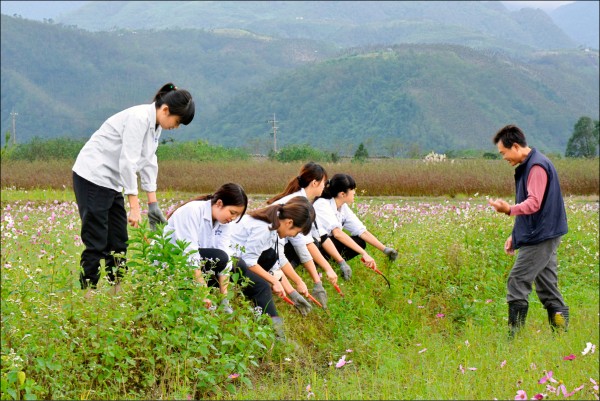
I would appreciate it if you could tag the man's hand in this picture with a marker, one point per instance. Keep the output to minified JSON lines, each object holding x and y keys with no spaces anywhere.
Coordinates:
{"x":508,"y":246}
{"x":500,"y":205}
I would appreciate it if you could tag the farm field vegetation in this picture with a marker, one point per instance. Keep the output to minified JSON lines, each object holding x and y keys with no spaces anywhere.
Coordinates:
{"x":439,"y":332}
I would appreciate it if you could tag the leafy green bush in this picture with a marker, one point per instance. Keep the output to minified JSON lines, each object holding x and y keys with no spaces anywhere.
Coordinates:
{"x":302,"y":152}
{"x":46,"y":149}
{"x":199,"y":151}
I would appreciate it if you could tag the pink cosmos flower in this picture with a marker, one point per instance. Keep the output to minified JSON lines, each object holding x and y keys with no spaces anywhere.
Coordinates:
{"x":25,"y":217}
{"x":521,"y":395}
{"x":547,"y":377}
{"x":538,"y":396}
{"x":234,"y":376}
{"x":342,"y":362}
{"x":562,"y":388}
{"x":569,"y":357}
{"x":440,"y":315}
{"x":472,"y":368}
{"x":462,"y":370}
{"x":423,"y":350}
{"x":487,"y":301}
{"x":502,"y":364}
{"x":575,"y":390}
{"x":349,"y":350}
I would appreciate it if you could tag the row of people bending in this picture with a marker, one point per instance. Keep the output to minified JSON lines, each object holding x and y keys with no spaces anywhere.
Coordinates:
{"x":305,"y":224}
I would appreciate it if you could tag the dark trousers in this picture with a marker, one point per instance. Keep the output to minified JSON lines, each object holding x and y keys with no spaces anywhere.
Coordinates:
{"x":103,"y":231}
{"x":344,"y":251}
{"x":259,"y":289}
{"x":216,"y":261}
{"x":291,"y":255}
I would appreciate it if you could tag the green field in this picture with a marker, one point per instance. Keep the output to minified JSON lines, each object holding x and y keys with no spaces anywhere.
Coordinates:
{"x":439,"y":332}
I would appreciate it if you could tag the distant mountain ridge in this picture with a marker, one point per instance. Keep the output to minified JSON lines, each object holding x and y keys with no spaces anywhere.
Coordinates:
{"x":64,"y":81}
{"x":580,"y":21}
{"x":344,"y":23}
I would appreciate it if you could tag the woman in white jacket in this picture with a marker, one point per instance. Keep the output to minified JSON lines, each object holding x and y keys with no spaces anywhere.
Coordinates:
{"x":204,"y":224}
{"x":258,"y":241}
{"x":334,"y":216}
{"x":301,"y":248}
{"x":108,"y":165}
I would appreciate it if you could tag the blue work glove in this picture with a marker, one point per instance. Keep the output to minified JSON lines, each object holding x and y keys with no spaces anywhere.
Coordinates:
{"x":155,"y":216}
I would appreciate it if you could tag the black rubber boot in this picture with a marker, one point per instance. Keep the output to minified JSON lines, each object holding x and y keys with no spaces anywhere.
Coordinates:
{"x":517,"y":313}
{"x":559,"y":318}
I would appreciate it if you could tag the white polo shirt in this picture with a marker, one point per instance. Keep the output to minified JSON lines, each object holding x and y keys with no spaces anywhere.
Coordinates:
{"x":124,"y":145}
{"x":251,"y":237}
{"x":330,"y":217}
{"x":193,"y":223}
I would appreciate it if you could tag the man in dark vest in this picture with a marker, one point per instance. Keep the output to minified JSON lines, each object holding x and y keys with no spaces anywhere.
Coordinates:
{"x":540,"y":223}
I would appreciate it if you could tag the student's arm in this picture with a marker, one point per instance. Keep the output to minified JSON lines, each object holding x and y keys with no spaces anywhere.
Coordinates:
{"x":275,"y":284}
{"x":345,"y":239}
{"x":371,"y":239}
{"x":320,"y":260}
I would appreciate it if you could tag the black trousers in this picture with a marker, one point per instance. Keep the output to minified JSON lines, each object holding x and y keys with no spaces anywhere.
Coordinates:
{"x":216,"y":262}
{"x":259,"y":290}
{"x":345,"y":252}
{"x":103,"y":231}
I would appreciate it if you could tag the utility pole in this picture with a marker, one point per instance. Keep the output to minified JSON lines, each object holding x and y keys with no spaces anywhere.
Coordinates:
{"x":274,"y":126}
{"x":14,"y":126}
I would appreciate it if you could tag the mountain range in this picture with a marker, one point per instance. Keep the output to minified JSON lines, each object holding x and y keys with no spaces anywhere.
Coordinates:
{"x":393,"y":75}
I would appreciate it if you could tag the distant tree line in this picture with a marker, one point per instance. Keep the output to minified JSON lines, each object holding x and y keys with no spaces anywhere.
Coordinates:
{"x":583,"y":143}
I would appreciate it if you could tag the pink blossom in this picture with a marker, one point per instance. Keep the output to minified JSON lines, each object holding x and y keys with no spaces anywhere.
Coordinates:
{"x":342,"y":362}
{"x":472,"y":368}
{"x":521,"y":395}
{"x":547,"y":376}
{"x":25,"y":217}
{"x":569,"y":357}
{"x":574,"y":391}
{"x":538,"y":396}
{"x":409,"y":301}
{"x":462,"y":370}
{"x":234,"y":375}
{"x":502,"y":364}
{"x":562,"y":388}
{"x":349,"y":350}
{"x":440,"y":315}
{"x":487,"y":301}
{"x":423,"y":350}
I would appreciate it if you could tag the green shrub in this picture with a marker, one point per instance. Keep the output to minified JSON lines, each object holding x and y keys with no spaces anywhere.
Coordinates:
{"x":302,"y":152}
{"x":198,"y":151}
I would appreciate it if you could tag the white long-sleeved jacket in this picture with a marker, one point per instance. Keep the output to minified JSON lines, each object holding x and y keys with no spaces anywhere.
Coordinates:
{"x":329,"y":218}
{"x":300,"y":241}
{"x":251,"y":237}
{"x":193,"y":223}
{"x":124,"y":145}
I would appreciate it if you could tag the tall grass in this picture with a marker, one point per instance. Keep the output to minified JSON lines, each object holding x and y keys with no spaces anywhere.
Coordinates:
{"x":439,"y":332}
{"x":399,"y":177}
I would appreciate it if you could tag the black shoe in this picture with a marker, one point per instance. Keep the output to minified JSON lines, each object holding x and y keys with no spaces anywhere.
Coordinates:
{"x":559,"y":318}
{"x":517,"y":313}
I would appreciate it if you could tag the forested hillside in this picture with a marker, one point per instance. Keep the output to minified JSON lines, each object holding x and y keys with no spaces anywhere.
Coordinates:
{"x":432,"y":97}
{"x":64,"y":81}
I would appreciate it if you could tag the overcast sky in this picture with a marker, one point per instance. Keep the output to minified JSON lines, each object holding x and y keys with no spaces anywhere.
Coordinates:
{"x":39,"y":10}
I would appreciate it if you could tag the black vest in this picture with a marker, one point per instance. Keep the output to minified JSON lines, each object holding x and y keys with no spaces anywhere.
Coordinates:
{"x":551,"y":220}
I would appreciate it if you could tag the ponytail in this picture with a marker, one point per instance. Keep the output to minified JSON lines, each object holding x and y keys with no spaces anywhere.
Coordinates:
{"x":180,"y":102}
{"x":310,"y":171}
